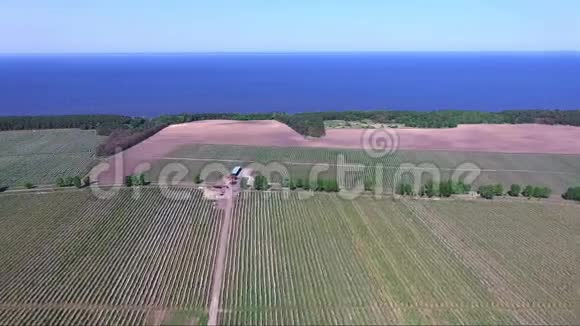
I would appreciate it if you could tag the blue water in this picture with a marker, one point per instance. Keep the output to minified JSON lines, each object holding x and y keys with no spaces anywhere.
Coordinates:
{"x":150,"y":85}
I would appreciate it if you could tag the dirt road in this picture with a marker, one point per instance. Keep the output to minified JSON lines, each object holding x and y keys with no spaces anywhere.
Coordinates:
{"x":220,"y":263}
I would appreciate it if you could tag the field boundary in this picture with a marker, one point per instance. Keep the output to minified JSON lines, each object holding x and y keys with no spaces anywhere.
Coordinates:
{"x":220,"y":263}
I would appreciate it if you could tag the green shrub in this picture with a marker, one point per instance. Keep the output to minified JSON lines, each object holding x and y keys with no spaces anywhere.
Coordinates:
{"x":498,"y":190}
{"x":487,"y":192}
{"x":77,"y":182}
{"x":197,"y":179}
{"x":299,"y":183}
{"x":573,"y":193}
{"x":261,"y":183}
{"x":542,"y":192}
{"x":405,"y":189}
{"x":369,"y":185}
{"x":528,"y":191}
{"x":515,"y":190}
{"x":430,"y":190}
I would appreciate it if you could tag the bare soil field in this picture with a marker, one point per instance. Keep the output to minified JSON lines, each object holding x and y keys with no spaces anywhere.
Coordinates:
{"x":474,"y":138}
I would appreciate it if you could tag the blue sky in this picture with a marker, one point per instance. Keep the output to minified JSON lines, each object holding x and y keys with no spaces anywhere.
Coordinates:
{"x":70,"y":26}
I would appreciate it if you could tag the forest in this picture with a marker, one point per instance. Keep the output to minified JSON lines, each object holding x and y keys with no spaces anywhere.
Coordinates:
{"x":307,"y":123}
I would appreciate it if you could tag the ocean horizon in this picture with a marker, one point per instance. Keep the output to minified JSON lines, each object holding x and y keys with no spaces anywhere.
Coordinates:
{"x":153,"y":84}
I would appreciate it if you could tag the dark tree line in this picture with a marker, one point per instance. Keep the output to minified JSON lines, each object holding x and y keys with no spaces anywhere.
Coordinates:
{"x":75,"y":181}
{"x":530,"y":191}
{"x":307,"y":124}
{"x":452,"y":118}
{"x":431,"y":189}
{"x":122,"y":139}
{"x":62,"y":122}
{"x":135,"y":180}
{"x":321,"y":184}
{"x":312,"y":123}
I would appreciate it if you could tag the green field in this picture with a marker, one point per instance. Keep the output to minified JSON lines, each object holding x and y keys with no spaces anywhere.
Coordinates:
{"x":42,"y":156}
{"x":555,"y":171}
{"x":145,"y":258}
{"x":69,"y":258}
{"x":329,"y":261}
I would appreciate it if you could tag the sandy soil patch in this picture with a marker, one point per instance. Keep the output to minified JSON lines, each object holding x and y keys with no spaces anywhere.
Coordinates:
{"x":527,"y":138}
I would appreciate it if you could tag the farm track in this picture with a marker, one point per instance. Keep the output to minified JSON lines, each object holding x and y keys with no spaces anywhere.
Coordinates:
{"x":218,"y":273}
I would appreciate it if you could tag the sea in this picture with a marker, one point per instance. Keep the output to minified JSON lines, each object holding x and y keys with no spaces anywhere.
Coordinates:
{"x":154,"y":84}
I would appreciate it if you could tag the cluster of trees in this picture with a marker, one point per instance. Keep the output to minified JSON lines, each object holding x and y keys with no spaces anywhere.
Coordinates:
{"x":261,"y":183}
{"x":451,"y":118}
{"x":304,"y":123}
{"x":62,"y":122}
{"x":190,"y":117}
{"x":490,"y":191}
{"x":573,"y":193}
{"x":122,"y":139}
{"x":326,"y":185}
{"x":552,"y":117}
{"x":73,"y":182}
{"x":135,"y":180}
{"x":431,"y":189}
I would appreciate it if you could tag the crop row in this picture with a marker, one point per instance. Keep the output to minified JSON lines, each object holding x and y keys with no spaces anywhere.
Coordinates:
{"x":324,"y":259}
{"x":44,"y":168}
{"x":150,"y":252}
{"x":30,"y":142}
{"x":495,"y":250}
{"x":44,"y":316}
{"x":40,"y":157}
{"x":536,"y":244}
